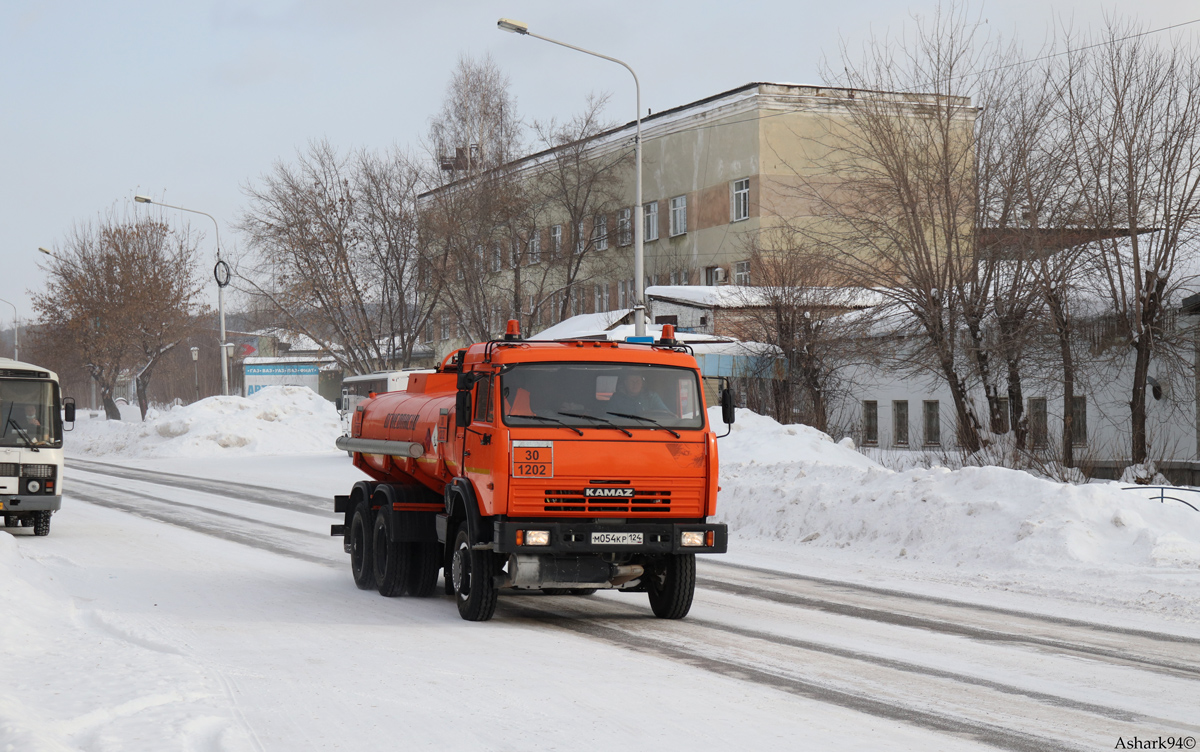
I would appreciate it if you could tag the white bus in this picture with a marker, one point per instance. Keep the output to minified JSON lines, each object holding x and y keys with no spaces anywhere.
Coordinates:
{"x":355,"y":389}
{"x":32,"y":411}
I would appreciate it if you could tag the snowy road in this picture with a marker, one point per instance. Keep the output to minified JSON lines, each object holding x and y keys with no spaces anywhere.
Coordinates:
{"x":295,"y":657}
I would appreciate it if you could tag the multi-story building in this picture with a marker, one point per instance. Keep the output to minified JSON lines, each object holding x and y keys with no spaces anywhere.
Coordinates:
{"x":717,"y":172}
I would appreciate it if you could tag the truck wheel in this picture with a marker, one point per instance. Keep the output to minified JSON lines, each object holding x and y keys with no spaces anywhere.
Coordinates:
{"x":472,"y":573}
{"x":361,"y":555}
{"x":391,"y":558}
{"x":672,"y":585}
{"x":41,"y":523}
{"x":10,"y":520}
{"x":425,"y":561}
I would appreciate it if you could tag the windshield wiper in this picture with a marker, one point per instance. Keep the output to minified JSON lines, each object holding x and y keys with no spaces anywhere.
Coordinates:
{"x":549,"y":420}
{"x":24,"y":435}
{"x":607,"y":423}
{"x":648,"y":420}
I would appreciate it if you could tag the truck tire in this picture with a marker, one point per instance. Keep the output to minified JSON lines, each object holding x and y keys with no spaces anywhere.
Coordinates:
{"x":41,"y":523}
{"x":473,"y":573}
{"x":361,"y":554}
{"x":10,"y":520}
{"x":422,"y":575}
{"x":392,"y":559}
{"x":671,"y":586}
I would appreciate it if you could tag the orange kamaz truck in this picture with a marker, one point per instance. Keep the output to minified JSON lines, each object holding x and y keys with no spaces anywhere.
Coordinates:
{"x":564,"y":466}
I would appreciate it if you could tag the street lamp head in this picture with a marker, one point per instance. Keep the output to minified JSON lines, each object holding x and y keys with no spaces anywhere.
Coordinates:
{"x":516,"y":27}
{"x":143,"y":199}
{"x":195,"y":353}
{"x":46,"y":251}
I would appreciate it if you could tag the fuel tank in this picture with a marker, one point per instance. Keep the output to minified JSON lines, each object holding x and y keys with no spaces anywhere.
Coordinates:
{"x":422,"y":414}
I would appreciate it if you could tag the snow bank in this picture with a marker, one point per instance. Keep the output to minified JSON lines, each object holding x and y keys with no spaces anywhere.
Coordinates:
{"x":274,"y":420}
{"x":794,"y":484}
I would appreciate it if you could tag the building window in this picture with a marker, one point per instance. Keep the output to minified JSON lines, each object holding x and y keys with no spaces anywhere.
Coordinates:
{"x":1037,"y":422}
{"x":900,"y":422}
{"x":678,"y":215}
{"x":933,"y":423}
{"x":497,"y":258}
{"x":1079,"y":421}
{"x":624,"y":227}
{"x":621,"y":294}
{"x":600,"y":232}
{"x":739,"y":200}
{"x":870,"y":434}
{"x":429,"y":329}
{"x":535,"y":248}
{"x":606,"y":288}
{"x":1002,"y":406}
{"x":741,"y":273}
{"x":650,"y":218}
{"x":596,"y":299}
{"x":445,"y":325}
{"x":714,"y":275}
{"x":556,"y":240}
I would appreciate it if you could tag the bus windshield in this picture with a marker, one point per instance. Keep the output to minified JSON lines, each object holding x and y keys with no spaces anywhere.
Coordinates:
{"x":29,"y":412}
{"x":594,"y":394}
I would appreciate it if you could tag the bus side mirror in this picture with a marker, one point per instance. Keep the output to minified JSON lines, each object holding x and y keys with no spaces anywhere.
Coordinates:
{"x":462,"y":409}
{"x":727,"y":414}
{"x":69,"y":410}
{"x":337,"y":403}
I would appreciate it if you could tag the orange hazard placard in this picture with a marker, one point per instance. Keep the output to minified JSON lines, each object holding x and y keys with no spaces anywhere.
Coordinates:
{"x":533,"y":459}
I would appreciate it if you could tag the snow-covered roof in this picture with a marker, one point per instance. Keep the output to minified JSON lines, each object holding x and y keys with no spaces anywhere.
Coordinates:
{"x":585,"y":324}
{"x":742,"y":296}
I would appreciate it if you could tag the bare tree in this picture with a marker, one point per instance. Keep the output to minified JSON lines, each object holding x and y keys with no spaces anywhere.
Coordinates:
{"x":1134,"y":122}
{"x":796,"y":306}
{"x":894,"y":198}
{"x":335,"y":253}
{"x":122,"y":293}
{"x":577,"y":181}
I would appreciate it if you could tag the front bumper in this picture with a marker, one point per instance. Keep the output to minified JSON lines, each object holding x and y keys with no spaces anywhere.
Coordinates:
{"x":576,"y":537}
{"x":10,"y":504}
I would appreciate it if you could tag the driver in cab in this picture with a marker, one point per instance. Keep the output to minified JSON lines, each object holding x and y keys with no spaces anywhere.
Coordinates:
{"x":633,"y":397}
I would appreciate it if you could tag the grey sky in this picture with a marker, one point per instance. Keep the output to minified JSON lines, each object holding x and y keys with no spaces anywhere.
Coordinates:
{"x":189,"y":101}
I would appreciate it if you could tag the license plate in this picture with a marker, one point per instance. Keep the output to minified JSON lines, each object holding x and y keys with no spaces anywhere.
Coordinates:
{"x":616,"y":539}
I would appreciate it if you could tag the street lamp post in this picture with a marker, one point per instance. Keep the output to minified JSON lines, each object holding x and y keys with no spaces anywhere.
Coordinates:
{"x":16,"y":331}
{"x":639,"y":265}
{"x":221,"y":272}
{"x":196,"y":369}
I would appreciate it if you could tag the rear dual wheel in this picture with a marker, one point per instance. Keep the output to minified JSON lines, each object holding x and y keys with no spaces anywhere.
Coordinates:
{"x":362,"y":554}
{"x":402,"y":567}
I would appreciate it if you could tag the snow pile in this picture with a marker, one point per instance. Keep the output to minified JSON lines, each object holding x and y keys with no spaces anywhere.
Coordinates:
{"x":794,"y":484}
{"x":274,"y":420}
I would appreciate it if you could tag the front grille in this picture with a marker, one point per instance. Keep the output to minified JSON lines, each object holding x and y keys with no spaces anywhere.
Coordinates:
{"x":573,"y":500}
{"x":9,"y":469}
{"x":37,"y":471}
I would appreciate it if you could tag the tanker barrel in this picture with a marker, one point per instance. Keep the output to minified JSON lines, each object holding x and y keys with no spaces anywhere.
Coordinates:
{"x":380,"y":446}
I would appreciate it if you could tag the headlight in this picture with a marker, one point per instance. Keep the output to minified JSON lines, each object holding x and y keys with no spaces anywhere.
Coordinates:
{"x":33,"y":486}
{"x":696,"y":538}
{"x":533,"y":537}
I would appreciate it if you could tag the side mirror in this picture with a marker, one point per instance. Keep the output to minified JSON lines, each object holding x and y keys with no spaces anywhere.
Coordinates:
{"x":69,"y":410}
{"x":727,"y":413}
{"x":338,"y":404}
{"x":462,"y":409}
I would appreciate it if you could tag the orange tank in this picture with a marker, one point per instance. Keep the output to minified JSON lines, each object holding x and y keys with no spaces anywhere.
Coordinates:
{"x":560,"y":466}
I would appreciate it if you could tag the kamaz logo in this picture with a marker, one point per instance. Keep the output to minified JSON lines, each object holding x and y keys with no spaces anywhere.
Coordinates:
{"x":609,"y":493}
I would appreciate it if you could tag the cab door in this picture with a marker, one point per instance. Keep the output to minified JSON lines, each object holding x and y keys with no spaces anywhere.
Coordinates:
{"x":479,"y":464}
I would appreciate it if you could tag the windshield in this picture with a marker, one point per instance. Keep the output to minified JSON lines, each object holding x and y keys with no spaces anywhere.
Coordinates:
{"x":596,"y":394}
{"x":29,"y":412}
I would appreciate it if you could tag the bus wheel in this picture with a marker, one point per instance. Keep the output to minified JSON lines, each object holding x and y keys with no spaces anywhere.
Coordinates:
{"x":41,"y":523}
{"x":10,"y":520}
{"x":473,"y":573}
{"x":361,"y":555}
{"x":672,"y":585}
